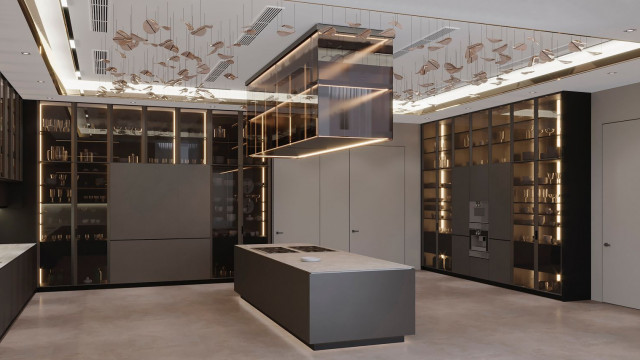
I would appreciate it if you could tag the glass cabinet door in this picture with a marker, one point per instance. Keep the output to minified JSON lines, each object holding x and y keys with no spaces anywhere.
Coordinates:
{"x":254,"y":209}
{"x":91,"y":209}
{"x":2,"y":129}
{"x":224,"y":144}
{"x":480,"y":137}
{"x":461,"y":140}
{"x":193,"y":131}
{"x":429,"y":194}
{"x":127,"y":134}
{"x":501,"y":134}
{"x":160,"y":135}
{"x":55,"y":194}
{"x":523,"y":131}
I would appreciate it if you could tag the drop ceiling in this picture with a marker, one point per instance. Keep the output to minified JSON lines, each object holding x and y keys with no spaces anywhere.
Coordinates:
{"x":227,"y":19}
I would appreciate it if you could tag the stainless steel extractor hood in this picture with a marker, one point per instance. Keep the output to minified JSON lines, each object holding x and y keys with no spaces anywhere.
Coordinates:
{"x":330,"y":90}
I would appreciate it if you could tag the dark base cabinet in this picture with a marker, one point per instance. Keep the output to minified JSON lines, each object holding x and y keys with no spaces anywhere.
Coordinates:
{"x":530,"y":162}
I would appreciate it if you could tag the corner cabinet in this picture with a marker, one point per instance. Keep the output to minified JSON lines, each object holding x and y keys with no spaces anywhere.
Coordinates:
{"x":80,"y":148}
{"x":530,"y":160}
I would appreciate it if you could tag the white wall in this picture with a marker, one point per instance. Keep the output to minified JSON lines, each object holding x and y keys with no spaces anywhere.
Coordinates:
{"x":607,"y":106}
{"x":404,"y":135}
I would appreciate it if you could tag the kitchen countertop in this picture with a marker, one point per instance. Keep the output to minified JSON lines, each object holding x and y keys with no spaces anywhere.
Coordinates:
{"x":9,"y":252}
{"x":333,"y":261}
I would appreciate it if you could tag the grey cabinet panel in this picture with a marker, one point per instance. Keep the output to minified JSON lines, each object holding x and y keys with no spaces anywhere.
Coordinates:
{"x":149,"y":201}
{"x":136,"y":261}
{"x":296,"y":192}
{"x":334,"y":200}
{"x":460,"y":254}
{"x":479,"y":267}
{"x":460,"y":200}
{"x":17,"y":284}
{"x":500,"y":269}
{"x":479,"y":187}
{"x":500,"y":201}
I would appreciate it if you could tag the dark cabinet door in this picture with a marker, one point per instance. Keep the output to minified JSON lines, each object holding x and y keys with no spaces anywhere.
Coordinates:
{"x":460,"y":200}
{"x":500,"y":261}
{"x":460,"y":254}
{"x":500,"y":201}
{"x":479,"y":187}
{"x":479,"y":267}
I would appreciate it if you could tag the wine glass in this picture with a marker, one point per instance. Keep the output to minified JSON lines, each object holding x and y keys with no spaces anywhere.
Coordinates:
{"x":52,"y":194}
{"x":550,"y":176}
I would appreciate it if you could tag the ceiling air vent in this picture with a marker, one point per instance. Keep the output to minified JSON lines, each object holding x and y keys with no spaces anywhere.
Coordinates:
{"x":425,"y":40}
{"x":262,"y":21}
{"x":100,"y":67}
{"x":217,"y":71}
{"x":99,"y":10}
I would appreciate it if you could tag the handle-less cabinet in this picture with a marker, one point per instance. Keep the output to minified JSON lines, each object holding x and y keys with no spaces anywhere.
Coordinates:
{"x":500,"y":267}
{"x":479,"y":183}
{"x":500,"y":201}
{"x":460,"y":194}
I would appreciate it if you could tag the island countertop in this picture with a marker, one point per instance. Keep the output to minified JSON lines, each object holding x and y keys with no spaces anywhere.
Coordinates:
{"x":330,"y":261}
{"x":9,"y":252}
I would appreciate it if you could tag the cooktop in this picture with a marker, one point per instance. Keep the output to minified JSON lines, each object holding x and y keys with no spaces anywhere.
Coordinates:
{"x":310,"y":248}
{"x":275,"y":250}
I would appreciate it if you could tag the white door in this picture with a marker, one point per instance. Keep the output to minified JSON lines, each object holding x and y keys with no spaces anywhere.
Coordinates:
{"x":377,"y":202}
{"x":621,"y":213}
{"x":296,"y":209}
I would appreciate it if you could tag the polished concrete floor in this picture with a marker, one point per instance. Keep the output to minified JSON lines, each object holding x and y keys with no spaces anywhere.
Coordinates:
{"x":456,"y":319}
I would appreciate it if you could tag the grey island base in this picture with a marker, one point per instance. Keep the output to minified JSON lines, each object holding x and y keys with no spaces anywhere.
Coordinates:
{"x":343,"y":300}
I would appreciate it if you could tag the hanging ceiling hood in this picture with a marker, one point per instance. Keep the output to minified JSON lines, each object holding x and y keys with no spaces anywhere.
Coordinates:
{"x":330,"y":90}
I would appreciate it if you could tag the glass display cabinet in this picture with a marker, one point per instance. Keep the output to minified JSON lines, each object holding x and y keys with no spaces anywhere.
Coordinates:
{"x":10,"y":132}
{"x":77,"y":144}
{"x":429,"y":194}
{"x":92,"y":168}
{"x":545,"y":247}
{"x":55,"y":195}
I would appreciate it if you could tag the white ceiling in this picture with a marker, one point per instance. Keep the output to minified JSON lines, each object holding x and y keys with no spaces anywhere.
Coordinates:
{"x":226,"y":16}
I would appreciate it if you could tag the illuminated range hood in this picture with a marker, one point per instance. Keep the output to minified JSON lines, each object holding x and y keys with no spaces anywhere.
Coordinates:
{"x":330,"y":90}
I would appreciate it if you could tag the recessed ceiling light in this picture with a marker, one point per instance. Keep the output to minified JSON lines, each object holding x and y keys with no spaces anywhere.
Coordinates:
{"x":25,"y":53}
{"x":132,"y":102}
{"x":532,"y":92}
{"x":612,"y":73}
{"x":49,"y":98}
{"x":72,"y":43}
{"x":41,"y":81}
{"x":630,"y":30}
{"x":467,"y":108}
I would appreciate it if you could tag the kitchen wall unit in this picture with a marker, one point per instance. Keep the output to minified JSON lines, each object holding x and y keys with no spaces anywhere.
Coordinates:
{"x":528,"y":162}
{"x":133,"y":194}
{"x":10,"y":133}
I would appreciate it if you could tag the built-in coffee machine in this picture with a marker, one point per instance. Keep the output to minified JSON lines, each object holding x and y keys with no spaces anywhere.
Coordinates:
{"x":479,"y":229}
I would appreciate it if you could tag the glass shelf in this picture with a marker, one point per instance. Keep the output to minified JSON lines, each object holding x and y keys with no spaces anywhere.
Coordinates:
{"x":160,"y":135}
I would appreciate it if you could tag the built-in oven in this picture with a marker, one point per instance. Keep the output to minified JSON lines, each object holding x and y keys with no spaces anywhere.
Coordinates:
{"x":479,"y":229}
{"x":479,"y":240}
{"x":479,"y":212}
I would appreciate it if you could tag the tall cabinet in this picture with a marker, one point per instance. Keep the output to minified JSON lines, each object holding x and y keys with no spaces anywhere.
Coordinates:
{"x":81,"y":145}
{"x":529,"y":161}
{"x":10,"y":132}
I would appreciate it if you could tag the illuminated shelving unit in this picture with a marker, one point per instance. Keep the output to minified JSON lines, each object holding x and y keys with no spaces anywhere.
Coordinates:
{"x":77,"y":144}
{"x":539,"y":238}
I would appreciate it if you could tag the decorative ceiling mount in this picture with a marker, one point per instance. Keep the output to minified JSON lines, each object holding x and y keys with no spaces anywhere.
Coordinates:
{"x":329,"y":91}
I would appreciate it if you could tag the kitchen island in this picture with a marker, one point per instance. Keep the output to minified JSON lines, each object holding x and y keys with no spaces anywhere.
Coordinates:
{"x":17,"y":280}
{"x":339,"y":300}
